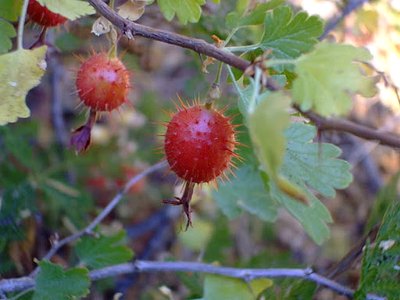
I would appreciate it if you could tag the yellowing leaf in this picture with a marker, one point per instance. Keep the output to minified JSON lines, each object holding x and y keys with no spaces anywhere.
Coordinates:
{"x":101,"y":26}
{"x":328,"y":76}
{"x":259,"y":285}
{"x":132,"y":9}
{"x":267,"y":125}
{"x":71,"y":9}
{"x":219,"y":287}
{"x":20,"y":71}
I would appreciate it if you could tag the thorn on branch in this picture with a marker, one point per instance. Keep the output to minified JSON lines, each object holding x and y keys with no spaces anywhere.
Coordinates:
{"x":128,"y":32}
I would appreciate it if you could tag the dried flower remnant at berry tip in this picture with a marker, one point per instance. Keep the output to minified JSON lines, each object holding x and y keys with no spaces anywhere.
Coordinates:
{"x":81,"y":137}
{"x":199,"y":146}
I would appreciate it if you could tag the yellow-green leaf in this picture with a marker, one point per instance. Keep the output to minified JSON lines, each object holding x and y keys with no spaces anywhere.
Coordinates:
{"x":267,"y":125}
{"x":219,"y":287}
{"x":20,"y":71}
{"x":53,"y":282}
{"x":71,"y":9}
{"x":329,"y":75}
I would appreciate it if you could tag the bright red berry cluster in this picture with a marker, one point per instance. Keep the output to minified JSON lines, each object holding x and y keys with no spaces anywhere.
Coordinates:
{"x":103,"y":82}
{"x":43,"y":16}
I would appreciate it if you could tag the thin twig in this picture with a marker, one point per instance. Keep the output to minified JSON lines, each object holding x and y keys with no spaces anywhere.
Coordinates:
{"x":132,"y":29}
{"x":21,"y":23}
{"x":103,"y":214}
{"x":322,"y":123}
{"x":348,"y":9}
{"x":142,"y":266}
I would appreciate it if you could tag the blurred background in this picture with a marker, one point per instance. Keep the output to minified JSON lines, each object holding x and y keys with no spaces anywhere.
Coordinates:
{"x":46,"y":188}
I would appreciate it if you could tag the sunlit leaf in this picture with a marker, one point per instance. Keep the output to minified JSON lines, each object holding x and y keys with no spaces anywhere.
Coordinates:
{"x":20,"y":71}
{"x":329,"y":75}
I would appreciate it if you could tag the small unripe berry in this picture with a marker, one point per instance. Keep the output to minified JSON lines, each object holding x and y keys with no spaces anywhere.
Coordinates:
{"x":103,"y":82}
{"x":43,"y":16}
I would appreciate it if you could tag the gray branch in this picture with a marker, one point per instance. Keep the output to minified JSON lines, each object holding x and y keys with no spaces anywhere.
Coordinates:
{"x":141,"y":266}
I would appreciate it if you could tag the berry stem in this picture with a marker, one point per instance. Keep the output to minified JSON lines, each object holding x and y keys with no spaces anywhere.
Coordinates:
{"x":219,"y":72}
{"x":256,"y":91}
{"x":184,"y":201}
{"x":21,"y":24}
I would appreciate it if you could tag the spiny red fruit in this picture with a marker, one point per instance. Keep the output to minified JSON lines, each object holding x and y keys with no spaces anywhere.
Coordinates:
{"x":103,"y":82}
{"x":199,"y":143}
{"x":43,"y":16}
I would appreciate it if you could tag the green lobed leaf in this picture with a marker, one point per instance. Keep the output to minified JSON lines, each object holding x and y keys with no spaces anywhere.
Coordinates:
{"x":289,"y":36}
{"x":52,"y":282}
{"x":313,"y":217}
{"x":71,"y":9}
{"x":219,"y":287}
{"x":185,"y":10}
{"x":20,"y":71}
{"x":10,"y":9}
{"x":267,"y":124}
{"x":381,"y":261}
{"x":315,"y":165}
{"x":245,"y":192}
{"x":312,"y":167}
{"x":328,"y":76}
{"x":255,"y":17}
{"x":99,"y":252}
